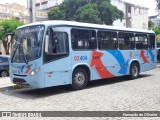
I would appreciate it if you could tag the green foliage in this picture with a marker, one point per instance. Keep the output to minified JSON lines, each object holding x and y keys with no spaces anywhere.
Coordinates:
{"x":91,"y":11}
{"x":56,"y":14}
{"x":8,"y":26}
{"x":70,"y":6}
{"x":109,"y":13}
{"x":157,"y":31}
{"x":150,"y":25}
{"x":87,"y":13}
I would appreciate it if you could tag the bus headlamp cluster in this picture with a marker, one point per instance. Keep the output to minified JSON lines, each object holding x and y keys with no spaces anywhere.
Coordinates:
{"x":33,"y":72}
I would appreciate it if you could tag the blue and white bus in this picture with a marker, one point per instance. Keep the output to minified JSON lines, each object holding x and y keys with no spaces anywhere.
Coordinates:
{"x":53,"y":53}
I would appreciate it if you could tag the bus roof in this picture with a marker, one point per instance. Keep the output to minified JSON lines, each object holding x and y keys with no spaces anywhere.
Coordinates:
{"x":89,"y":25}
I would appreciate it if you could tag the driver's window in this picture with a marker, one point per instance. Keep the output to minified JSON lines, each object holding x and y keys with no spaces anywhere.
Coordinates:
{"x":56,"y":45}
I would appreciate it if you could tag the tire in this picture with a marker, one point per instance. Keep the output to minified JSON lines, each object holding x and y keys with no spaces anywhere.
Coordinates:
{"x":4,"y":73}
{"x":80,"y":79}
{"x":134,"y":70}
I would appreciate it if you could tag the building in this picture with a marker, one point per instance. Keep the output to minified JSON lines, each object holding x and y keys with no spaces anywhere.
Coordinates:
{"x":135,"y":16}
{"x":155,"y":19}
{"x":10,"y":11}
{"x":47,"y":4}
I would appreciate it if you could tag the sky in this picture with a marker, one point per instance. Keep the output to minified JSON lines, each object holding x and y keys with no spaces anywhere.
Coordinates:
{"x":151,"y":4}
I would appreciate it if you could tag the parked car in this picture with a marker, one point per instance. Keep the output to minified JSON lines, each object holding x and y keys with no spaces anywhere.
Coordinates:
{"x":4,"y":65}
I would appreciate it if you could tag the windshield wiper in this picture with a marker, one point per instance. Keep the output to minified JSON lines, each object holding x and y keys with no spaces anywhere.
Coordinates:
{"x":22,"y":46}
{"x":19,"y":44}
{"x":14,"y":53}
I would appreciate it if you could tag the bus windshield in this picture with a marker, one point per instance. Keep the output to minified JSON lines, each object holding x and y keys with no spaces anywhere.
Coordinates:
{"x":27,"y":43}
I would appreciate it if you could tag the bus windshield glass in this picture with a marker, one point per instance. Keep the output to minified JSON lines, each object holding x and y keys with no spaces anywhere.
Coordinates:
{"x":27,"y":44}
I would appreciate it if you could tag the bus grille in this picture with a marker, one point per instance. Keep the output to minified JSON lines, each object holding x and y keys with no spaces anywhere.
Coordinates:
{"x":19,"y":81}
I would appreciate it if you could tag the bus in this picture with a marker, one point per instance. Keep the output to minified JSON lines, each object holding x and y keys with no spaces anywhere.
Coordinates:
{"x":53,"y":53}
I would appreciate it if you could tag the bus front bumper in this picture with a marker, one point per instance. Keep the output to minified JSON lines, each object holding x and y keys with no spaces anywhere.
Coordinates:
{"x":27,"y":81}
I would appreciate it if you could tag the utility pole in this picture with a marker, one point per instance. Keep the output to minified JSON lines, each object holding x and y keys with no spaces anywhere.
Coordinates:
{"x":32,"y":11}
{"x":27,"y":4}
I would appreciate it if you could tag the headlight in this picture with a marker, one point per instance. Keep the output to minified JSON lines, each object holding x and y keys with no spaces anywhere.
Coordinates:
{"x":33,"y":72}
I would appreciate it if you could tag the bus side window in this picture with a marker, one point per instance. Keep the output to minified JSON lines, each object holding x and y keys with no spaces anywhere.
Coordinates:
{"x":141,"y":41}
{"x":151,"y":41}
{"x":107,"y":40}
{"x":126,"y":41}
{"x":56,"y":45}
{"x":83,"y":39}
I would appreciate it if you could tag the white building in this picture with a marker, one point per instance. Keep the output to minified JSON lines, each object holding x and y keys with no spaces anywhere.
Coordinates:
{"x":135,"y":16}
{"x":155,"y":19}
{"x":47,"y":4}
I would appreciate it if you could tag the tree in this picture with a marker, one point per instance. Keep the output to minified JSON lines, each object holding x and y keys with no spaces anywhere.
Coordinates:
{"x":8,"y":26}
{"x":150,"y":24}
{"x":70,"y":6}
{"x":56,"y":14}
{"x":109,"y":13}
{"x":87,"y":13}
{"x":92,"y":11}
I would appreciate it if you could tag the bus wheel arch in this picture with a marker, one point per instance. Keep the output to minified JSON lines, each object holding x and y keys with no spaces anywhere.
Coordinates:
{"x":80,"y":77}
{"x":134,"y":69}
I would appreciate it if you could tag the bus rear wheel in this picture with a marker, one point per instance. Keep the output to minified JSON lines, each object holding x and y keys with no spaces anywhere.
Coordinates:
{"x":134,"y":70}
{"x":79,"y":79}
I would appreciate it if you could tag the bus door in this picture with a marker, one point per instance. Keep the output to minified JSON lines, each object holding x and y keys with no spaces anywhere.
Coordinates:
{"x":56,"y":58}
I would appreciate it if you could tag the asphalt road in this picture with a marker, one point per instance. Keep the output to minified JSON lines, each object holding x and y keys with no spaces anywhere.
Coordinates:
{"x":117,"y":94}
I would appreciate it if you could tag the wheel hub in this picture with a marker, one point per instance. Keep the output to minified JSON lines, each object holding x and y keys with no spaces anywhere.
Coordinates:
{"x":79,"y":78}
{"x":135,"y":71}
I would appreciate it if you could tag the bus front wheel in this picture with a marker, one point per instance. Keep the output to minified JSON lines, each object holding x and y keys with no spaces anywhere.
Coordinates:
{"x":79,"y":79}
{"x":134,"y":70}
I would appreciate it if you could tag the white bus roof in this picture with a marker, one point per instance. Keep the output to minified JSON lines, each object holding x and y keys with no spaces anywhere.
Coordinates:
{"x":89,"y":25}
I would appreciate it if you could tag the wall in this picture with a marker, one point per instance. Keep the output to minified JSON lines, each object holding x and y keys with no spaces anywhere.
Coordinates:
{"x":121,"y":6}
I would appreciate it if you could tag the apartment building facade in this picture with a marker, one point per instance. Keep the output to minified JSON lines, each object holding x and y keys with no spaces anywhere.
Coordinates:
{"x":47,"y":4}
{"x":16,"y":11}
{"x":135,"y":16}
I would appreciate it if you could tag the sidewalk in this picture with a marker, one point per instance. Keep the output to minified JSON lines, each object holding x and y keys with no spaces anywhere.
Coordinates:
{"x":5,"y":82}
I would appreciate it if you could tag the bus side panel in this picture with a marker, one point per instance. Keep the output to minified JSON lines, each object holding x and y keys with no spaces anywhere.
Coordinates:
{"x":112,"y":63}
{"x":148,"y":59}
{"x":57,"y":72}
{"x":145,"y":58}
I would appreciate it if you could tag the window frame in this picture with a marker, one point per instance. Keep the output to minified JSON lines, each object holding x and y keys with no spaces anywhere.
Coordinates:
{"x":61,"y":57}
{"x":111,"y":31}
{"x":84,"y":28}
{"x":153,"y":41}
{"x":127,"y":32}
{"x":146,"y":34}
